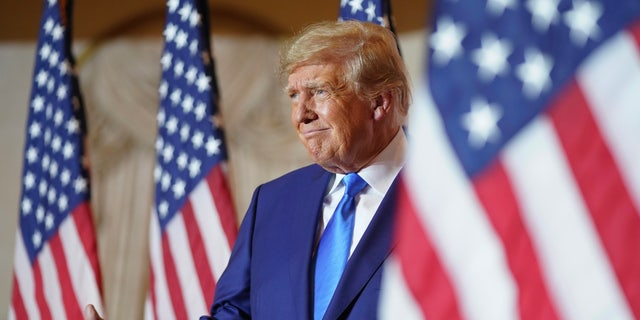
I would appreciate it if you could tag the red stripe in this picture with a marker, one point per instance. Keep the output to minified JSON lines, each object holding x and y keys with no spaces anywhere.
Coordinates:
{"x":152,"y":290}
{"x":496,"y":195}
{"x":224,"y":203}
{"x":86,"y":232}
{"x":16,"y":301}
{"x":426,"y":278}
{"x":199,"y":253}
{"x":71,"y":305}
{"x":635,"y":32}
{"x":173,"y":282}
{"x":41,"y":300}
{"x":603,"y":189}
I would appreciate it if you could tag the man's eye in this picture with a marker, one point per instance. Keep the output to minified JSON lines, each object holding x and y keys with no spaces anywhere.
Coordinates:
{"x":321,"y":92}
{"x":293,"y":95}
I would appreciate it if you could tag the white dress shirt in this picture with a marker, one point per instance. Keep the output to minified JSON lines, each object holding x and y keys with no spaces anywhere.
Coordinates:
{"x":379,"y":176}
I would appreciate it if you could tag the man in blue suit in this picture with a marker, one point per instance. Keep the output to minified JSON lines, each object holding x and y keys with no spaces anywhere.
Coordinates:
{"x":349,"y":94}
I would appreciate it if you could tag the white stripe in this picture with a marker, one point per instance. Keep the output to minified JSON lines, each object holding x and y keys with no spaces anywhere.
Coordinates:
{"x":148,"y":308}
{"x":610,"y":79}
{"x":572,"y":258}
{"x":163,"y":306}
{"x":215,"y":240}
{"x":82,"y":276}
{"x":194,"y":301}
{"x":396,"y":301}
{"x":51,"y":283}
{"x":462,"y":235}
{"x":24,"y":277}
{"x":12,"y":314}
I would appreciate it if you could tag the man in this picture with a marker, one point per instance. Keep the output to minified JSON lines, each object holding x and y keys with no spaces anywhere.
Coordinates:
{"x":349,"y":94}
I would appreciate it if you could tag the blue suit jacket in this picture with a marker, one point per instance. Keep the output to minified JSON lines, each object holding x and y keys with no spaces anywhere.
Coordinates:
{"x":270,"y":272}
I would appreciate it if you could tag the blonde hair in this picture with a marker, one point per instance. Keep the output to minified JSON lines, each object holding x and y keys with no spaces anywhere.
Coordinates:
{"x":366,"y":53}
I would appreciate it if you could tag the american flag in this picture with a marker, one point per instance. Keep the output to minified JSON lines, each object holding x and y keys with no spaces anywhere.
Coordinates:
{"x":56,"y":271}
{"x":193,"y":224}
{"x":521,"y":197}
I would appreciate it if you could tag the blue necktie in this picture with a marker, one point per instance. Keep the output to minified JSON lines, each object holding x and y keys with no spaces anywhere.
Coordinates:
{"x":335,"y":244}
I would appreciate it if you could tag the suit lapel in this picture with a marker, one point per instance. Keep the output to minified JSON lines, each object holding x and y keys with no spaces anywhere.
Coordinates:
{"x":371,"y":252}
{"x":305,"y":206}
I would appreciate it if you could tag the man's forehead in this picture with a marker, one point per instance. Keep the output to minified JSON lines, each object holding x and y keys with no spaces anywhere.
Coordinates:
{"x":310,"y":76}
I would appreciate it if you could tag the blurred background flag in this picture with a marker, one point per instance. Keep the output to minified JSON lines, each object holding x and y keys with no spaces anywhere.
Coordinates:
{"x":193,"y":223}
{"x":521,"y":198}
{"x":56,"y":271}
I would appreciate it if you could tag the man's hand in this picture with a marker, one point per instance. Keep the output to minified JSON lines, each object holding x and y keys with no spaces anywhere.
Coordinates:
{"x":90,"y":313}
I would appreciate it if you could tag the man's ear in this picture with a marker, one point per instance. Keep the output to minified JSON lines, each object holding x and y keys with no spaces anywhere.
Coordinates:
{"x":382,"y":105}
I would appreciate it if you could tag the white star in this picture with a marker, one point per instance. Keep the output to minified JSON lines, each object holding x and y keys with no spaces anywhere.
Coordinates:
{"x":36,"y":239}
{"x":45,"y":51}
{"x":42,"y":188}
{"x":178,"y":68}
{"x":40,"y":214}
{"x":54,"y":58}
{"x":170,"y":32}
{"x":48,"y":26}
{"x":58,"y":117}
{"x":56,"y":143}
{"x":57,"y":32}
{"x":497,"y":7}
{"x":172,"y":125}
{"x":163,"y":209}
{"x":47,"y":135}
{"x":371,"y":11}
{"x":343,"y":3}
{"x":167,"y":153}
{"x":202,"y":82}
{"x":193,"y":47}
{"x":164,"y":87}
{"x":583,"y":21}
{"x":165,"y":182}
{"x":173,"y":5}
{"x":51,"y":195}
{"x":184,"y":132}
{"x":52,"y":2}
{"x":53,"y":169}
{"x":185,"y":12}
{"x":49,"y":221}
{"x":491,"y":58}
{"x":178,"y":189}
{"x":213,"y":146}
{"x":165,"y":61}
{"x":67,"y":150}
{"x":65,"y":177}
{"x":194,"y":18}
{"x":62,"y":92}
{"x":194,"y":167}
{"x":481,"y":122}
{"x":543,"y":12}
{"x":356,"y":5}
{"x":176,"y":96}
{"x":80,"y":185}
{"x":63,"y":67}
{"x":32,"y":154}
{"x":160,"y":118}
{"x":72,"y":126}
{"x":63,"y":202}
{"x":29,"y":180}
{"x":26,"y":206}
{"x":159,"y":144}
{"x":35,"y":130}
{"x":181,"y":39}
{"x":534,"y":72}
{"x":447,"y":40}
{"x":41,"y":78}
{"x":197,"y":140}
{"x":37,"y":104}
{"x":182,"y":160}
{"x":191,"y":75}
{"x":51,"y":84}
{"x":157,"y":173}
{"x":200,"y":110}
{"x":187,"y":104}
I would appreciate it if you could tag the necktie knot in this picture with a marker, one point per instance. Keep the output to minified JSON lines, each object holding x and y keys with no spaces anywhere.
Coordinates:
{"x":353,"y":184}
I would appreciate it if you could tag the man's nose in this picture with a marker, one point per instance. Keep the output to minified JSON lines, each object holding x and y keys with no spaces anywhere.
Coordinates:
{"x":303,"y":110}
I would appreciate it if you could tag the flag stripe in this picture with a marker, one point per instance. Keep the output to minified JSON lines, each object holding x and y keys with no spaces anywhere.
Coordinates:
{"x":225,"y":216}
{"x":197,"y":249}
{"x":602,"y":188}
{"x":396,"y":300}
{"x":41,"y":300}
{"x":494,"y":191}
{"x":183,"y":261}
{"x":457,"y":227}
{"x":432,"y":287}
{"x":550,"y":203}
{"x":71,"y":306}
{"x":18,"y":310}
{"x":162,"y":305}
{"x":51,"y":283}
{"x":171,"y":276}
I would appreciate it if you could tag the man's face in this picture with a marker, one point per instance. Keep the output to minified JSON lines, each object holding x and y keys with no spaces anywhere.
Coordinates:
{"x":334,"y":125}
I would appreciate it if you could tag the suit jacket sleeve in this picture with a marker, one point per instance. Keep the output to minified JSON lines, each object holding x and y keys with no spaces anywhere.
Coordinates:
{"x":232,"y":297}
